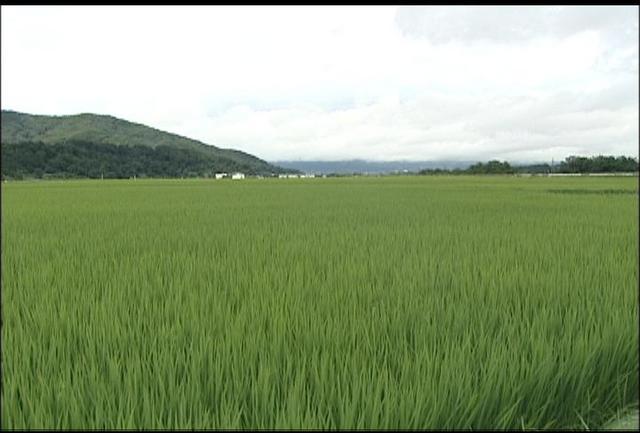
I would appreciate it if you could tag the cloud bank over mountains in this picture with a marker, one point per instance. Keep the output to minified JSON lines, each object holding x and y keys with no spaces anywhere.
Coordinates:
{"x":378,"y":83}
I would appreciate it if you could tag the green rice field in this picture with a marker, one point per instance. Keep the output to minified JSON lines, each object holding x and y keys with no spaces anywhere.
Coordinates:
{"x":410,"y":302}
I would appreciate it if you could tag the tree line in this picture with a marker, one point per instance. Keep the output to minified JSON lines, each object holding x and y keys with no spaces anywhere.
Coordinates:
{"x":571,"y":164}
{"x":598,"y":164}
{"x":85,"y":159}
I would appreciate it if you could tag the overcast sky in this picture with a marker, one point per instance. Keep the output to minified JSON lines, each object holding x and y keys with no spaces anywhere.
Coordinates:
{"x":378,"y":83}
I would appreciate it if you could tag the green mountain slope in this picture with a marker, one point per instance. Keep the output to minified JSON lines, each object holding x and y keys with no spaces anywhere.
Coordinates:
{"x":108,"y":130}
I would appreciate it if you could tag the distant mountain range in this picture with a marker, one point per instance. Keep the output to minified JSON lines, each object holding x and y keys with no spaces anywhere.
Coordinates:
{"x":373,"y":167}
{"x":89,"y":140}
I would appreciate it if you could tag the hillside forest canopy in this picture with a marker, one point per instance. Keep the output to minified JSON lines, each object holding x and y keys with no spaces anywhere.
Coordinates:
{"x":85,"y":159}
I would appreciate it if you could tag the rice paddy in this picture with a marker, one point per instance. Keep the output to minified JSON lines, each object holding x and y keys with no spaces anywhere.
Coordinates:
{"x":398,"y":302}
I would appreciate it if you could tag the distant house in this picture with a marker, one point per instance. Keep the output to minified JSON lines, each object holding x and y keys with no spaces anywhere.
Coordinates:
{"x":221,"y":175}
{"x":565,"y":174}
{"x":237,"y":176}
{"x":282,"y":176}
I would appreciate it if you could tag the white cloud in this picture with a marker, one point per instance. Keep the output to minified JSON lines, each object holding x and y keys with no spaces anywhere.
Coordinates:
{"x":515,"y":23}
{"x":339,"y":82}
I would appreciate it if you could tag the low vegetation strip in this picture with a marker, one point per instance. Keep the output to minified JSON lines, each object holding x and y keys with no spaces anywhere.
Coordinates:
{"x":448,"y":302}
{"x":593,"y":191}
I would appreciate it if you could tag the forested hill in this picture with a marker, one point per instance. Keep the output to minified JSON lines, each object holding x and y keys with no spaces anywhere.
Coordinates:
{"x":89,"y":143}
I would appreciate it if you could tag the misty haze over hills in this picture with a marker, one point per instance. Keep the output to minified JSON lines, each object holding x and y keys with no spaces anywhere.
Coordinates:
{"x":363,"y":166}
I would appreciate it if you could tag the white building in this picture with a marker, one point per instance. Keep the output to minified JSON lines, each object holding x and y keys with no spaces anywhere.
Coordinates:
{"x":565,"y":174}
{"x":221,"y":175}
{"x":237,"y":176}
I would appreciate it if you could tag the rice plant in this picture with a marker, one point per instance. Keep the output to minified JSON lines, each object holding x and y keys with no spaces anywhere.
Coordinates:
{"x":360,"y":303}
